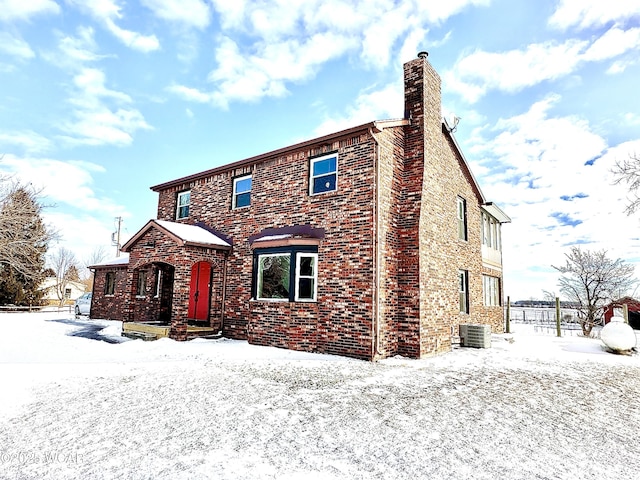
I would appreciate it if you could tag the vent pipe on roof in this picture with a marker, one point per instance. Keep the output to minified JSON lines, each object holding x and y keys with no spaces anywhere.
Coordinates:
{"x":423,"y":54}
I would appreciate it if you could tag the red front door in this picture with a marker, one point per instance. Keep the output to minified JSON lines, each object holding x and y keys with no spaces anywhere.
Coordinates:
{"x":199,"y":291}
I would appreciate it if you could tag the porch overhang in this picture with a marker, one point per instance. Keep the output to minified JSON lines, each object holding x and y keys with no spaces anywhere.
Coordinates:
{"x":183,"y":234}
{"x":284,"y":236}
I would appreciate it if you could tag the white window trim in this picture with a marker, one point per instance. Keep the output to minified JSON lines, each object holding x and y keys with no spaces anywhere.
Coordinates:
{"x":235,"y":193}
{"x":178,"y":206}
{"x":259,"y":279}
{"x":158,"y":283}
{"x":299,"y":257}
{"x":312,"y":176}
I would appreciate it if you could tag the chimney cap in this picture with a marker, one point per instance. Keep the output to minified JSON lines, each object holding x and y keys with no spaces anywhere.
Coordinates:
{"x":423,"y":54}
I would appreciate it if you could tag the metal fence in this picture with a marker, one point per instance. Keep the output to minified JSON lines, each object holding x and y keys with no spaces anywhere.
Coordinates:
{"x":544,"y":320}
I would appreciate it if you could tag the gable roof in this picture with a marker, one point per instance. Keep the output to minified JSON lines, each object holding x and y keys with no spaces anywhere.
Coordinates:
{"x":181,"y":233}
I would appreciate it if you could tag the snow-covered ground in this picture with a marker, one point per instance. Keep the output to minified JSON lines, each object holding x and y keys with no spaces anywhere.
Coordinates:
{"x":532,"y":407}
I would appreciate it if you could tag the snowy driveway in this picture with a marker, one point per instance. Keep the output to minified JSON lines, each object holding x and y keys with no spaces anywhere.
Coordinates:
{"x":534,"y":408}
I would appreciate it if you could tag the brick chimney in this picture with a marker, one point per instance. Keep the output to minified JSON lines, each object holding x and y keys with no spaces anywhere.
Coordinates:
{"x":422,"y":138}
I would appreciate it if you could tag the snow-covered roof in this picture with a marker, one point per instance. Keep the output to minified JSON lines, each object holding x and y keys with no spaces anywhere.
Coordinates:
{"x":193,"y":234}
{"x":113,"y":262}
{"x":181,"y":233}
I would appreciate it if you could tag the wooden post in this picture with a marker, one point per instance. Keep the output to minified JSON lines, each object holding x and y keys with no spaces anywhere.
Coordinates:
{"x":508,"y":330}
{"x":625,"y":312}
{"x":559,"y":333}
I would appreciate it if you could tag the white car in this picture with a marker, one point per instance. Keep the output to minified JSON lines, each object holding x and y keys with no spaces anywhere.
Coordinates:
{"x":83,"y":304}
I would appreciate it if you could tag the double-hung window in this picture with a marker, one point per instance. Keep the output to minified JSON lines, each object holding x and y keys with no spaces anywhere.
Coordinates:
{"x":184,"y":200}
{"x":324,"y":174}
{"x":287,"y":274}
{"x":462,"y":218}
{"x":110,"y":283}
{"x":463,"y":281}
{"x":142,"y":283}
{"x":242,"y":191}
{"x":491,"y":291}
{"x":306,"y":277}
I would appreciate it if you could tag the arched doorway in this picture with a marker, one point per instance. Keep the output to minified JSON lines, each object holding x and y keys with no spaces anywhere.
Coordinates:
{"x":200,"y":291}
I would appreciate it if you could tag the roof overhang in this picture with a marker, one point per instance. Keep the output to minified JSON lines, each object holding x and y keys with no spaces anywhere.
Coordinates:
{"x":286,"y":236}
{"x":496,"y":212}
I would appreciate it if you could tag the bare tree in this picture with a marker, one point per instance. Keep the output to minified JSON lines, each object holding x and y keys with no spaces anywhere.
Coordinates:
{"x":591,"y":280}
{"x":24,"y":238}
{"x":97,"y":255}
{"x":65,"y":265}
{"x":627,"y":172}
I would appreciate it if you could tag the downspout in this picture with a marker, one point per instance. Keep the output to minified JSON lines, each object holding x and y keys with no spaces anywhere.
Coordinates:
{"x":375,"y":347}
{"x":224,"y":290}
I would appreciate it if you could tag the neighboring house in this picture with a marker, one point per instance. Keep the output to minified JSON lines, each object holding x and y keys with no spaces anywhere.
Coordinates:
{"x":369,"y":242}
{"x":633,"y":307}
{"x":72,"y":291}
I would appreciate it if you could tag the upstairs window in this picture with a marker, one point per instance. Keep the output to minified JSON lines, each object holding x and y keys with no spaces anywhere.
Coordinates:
{"x":324,"y":174}
{"x":491,"y":232}
{"x":184,"y":200}
{"x":242,"y":191}
{"x":462,"y":218}
{"x":110,"y":283}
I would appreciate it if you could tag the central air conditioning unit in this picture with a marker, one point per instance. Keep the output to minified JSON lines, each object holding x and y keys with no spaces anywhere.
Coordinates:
{"x":478,"y":336}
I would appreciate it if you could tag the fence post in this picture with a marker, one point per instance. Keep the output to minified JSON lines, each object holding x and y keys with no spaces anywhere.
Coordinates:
{"x":625,"y":312}
{"x":508,"y":315}
{"x":558,"y":317}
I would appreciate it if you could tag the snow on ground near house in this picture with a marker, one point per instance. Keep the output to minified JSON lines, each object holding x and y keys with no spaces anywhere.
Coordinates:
{"x":532,"y":407}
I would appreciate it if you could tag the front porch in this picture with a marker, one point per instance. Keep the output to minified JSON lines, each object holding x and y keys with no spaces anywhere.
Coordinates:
{"x":155,"y":330}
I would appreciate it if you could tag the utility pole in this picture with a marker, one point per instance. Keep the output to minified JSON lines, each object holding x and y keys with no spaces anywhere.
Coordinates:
{"x":115,"y":236}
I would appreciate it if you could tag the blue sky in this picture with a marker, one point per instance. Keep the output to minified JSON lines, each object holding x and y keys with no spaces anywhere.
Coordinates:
{"x":101,"y":99}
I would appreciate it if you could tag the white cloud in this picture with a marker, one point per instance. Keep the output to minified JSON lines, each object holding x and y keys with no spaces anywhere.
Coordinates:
{"x":96,"y":121}
{"x":613,"y":43}
{"x":12,"y":10}
{"x":107,"y":12}
{"x":83,"y":219}
{"x":29,"y":140}
{"x":74,"y":51}
{"x":191,"y":94}
{"x":619,"y":66}
{"x":368,"y":106}
{"x":62,"y":182}
{"x":15,"y":46}
{"x":287,"y":41}
{"x":191,"y":13}
{"x":552,"y":176}
{"x":593,"y":13}
{"x":474,"y":74}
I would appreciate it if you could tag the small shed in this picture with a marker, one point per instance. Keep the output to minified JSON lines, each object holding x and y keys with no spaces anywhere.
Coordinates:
{"x":634,"y":311}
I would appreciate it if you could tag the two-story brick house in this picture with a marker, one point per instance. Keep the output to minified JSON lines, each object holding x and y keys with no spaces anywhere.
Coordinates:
{"x":369,"y":242}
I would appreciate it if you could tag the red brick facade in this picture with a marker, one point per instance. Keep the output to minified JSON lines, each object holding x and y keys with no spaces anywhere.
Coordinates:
{"x":388,"y":260}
